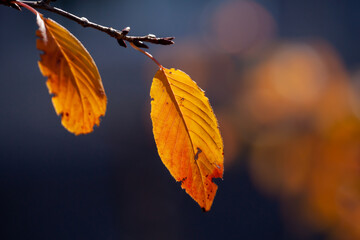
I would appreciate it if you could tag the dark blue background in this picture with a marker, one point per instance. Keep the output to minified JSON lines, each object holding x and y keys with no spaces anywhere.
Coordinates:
{"x":111,"y":184}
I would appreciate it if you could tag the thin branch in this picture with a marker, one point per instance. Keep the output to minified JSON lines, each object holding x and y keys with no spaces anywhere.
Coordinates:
{"x":121,"y":36}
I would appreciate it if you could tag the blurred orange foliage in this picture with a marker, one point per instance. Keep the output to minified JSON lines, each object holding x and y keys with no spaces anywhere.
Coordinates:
{"x":289,"y":107}
{"x":306,"y":136}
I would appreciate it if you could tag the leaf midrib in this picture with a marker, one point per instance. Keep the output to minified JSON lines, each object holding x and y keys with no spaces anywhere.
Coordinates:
{"x":71,"y":70}
{"x":177,"y":105}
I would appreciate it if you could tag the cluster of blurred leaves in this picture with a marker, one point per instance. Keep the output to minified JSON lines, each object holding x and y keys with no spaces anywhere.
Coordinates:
{"x":304,"y":130}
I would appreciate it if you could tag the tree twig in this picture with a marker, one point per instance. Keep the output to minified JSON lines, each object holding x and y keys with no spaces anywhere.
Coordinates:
{"x":121,"y":36}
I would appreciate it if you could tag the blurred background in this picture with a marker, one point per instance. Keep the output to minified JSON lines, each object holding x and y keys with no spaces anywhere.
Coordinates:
{"x":283,"y":78}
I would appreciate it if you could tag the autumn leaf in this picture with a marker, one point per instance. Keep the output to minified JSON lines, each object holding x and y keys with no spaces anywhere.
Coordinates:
{"x":73,"y":78}
{"x":186,"y":134}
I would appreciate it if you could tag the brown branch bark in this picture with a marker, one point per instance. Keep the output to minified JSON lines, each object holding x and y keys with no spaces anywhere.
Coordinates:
{"x":121,"y":36}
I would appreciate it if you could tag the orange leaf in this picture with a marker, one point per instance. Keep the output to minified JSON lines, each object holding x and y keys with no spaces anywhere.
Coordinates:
{"x":186,"y":134}
{"x":73,"y":77}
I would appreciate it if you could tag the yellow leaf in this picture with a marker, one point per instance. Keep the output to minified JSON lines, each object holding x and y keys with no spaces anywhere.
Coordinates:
{"x":73,"y":77}
{"x":186,"y":134}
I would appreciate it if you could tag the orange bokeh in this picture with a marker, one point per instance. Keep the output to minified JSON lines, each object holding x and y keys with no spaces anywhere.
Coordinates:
{"x":289,"y":107}
{"x":306,"y":153}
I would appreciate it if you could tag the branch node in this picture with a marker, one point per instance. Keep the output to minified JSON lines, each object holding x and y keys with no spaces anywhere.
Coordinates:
{"x":84,"y":22}
{"x":140,"y":44}
{"x":125,"y":31}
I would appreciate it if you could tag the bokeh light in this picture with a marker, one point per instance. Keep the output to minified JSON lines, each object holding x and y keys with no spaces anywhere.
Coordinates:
{"x":305,"y":137}
{"x":240,"y":27}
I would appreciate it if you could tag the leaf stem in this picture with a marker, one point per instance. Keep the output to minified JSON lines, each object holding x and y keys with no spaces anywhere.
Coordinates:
{"x":26,"y":6}
{"x":147,"y":54}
